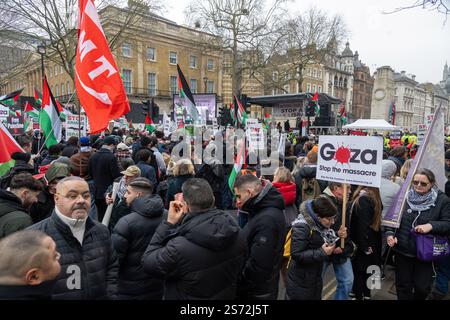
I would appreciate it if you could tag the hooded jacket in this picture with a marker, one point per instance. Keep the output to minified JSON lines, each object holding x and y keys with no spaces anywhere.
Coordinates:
{"x":199,"y":259}
{"x":266,"y":234}
{"x":131,"y":237}
{"x":304,"y":276}
{"x":388,"y":188}
{"x":13,"y":216}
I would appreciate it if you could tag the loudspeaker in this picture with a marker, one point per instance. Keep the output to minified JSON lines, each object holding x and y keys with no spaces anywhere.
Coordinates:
{"x":324,"y":121}
{"x":325,"y":110}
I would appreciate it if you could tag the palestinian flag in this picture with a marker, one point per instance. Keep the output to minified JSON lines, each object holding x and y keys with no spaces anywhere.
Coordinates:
{"x":241,"y":114}
{"x":149,"y":124}
{"x":186,"y":95}
{"x":11,"y":98}
{"x":267,"y":120}
{"x":8,"y":146}
{"x":37,"y":97}
{"x":30,"y":111}
{"x":49,"y":117}
{"x":232,"y":114}
{"x":237,"y":167}
{"x":317,"y":107}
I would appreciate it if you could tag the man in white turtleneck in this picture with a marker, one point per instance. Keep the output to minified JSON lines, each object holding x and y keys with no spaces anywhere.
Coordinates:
{"x":89,"y":263}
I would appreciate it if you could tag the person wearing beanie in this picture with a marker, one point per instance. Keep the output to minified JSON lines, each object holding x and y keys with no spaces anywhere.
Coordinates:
{"x":123,"y":151}
{"x":79,"y":162}
{"x":21,"y":165}
{"x":45,"y":205}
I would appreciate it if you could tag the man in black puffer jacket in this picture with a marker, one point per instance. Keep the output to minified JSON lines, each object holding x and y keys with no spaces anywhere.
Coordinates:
{"x":199,"y":250}
{"x":88,"y":260}
{"x":131,"y":237}
{"x":266,"y":234}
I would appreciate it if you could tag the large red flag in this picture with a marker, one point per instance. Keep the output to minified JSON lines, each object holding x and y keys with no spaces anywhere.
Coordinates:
{"x":98,"y":83}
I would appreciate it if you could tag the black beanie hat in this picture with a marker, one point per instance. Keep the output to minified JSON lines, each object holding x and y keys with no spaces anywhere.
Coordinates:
{"x":21,"y":156}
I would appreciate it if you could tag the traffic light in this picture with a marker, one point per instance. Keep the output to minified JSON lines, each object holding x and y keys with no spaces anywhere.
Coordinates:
{"x":151,"y":108}
{"x":310,"y":109}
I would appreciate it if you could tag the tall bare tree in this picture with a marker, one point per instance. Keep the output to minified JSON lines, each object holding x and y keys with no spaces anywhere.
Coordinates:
{"x":249,"y":31}
{"x":440,"y":6}
{"x":309,"y":38}
{"x":54,"y":22}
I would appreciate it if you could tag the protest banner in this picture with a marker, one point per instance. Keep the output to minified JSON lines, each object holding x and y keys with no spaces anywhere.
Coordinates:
{"x":72,"y":126}
{"x":255,"y":135}
{"x":15,"y":125}
{"x":421,"y":131}
{"x":350,"y":160}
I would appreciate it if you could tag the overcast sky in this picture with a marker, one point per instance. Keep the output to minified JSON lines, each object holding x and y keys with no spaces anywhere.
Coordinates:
{"x":415,"y":40}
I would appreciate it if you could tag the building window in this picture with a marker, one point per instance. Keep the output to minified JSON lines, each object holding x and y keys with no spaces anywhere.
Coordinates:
{"x":308,"y":87}
{"x":56,"y":70}
{"x":286,"y":89}
{"x":172,"y":57}
{"x":126,"y":78}
{"x":151,"y":78}
{"x":193,"y":85}
{"x":173,"y":84}
{"x":314,"y":88}
{"x":210,"y":64}
{"x":56,"y":91}
{"x":126,"y":50}
{"x":274,"y":76}
{"x":345,"y":83}
{"x":68,"y":87}
{"x":151,"y":54}
{"x":314,"y":73}
{"x":62,"y":89}
{"x":210,"y":86}
{"x":320,"y":74}
{"x":193,"y":62}
{"x":319,"y":89}
{"x":61,"y":69}
{"x":50,"y":73}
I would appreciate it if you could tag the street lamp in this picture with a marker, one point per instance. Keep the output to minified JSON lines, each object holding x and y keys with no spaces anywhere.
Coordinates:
{"x":41,"y":50}
{"x":205,"y":81}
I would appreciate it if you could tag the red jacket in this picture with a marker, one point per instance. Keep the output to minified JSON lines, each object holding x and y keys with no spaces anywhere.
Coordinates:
{"x":288,"y":190}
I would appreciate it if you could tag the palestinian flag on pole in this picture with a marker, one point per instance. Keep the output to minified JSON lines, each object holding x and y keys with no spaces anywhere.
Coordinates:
{"x":49,"y":117}
{"x":317,"y":107}
{"x":37,"y":97}
{"x":11,"y":98}
{"x":186,"y":95}
{"x":30,"y":111}
{"x":8,"y":146}
{"x":237,"y":167}
{"x":267,"y":120}
{"x":233,"y":117}
{"x":241,"y":114}
{"x":149,"y":124}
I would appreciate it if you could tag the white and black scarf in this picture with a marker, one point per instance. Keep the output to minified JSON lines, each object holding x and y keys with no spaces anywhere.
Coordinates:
{"x":422,"y":202}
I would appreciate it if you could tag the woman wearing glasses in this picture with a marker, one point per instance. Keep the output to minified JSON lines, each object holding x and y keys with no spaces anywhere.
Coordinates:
{"x":426,"y":210}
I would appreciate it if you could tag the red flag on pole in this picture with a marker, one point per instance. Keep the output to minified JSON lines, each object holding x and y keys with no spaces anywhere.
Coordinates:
{"x":97,"y":79}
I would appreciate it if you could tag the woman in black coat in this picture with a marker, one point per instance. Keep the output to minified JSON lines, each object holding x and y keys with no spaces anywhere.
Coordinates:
{"x":312,"y":242}
{"x":427,"y":211}
{"x":365,"y":231}
{"x":131,"y":236}
{"x":183,"y":171}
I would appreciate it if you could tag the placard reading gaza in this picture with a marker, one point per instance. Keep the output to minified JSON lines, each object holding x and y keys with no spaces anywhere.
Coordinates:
{"x":350,"y":159}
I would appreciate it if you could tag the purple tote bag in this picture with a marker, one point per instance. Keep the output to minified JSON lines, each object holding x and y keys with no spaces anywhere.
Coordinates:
{"x":431,"y":247}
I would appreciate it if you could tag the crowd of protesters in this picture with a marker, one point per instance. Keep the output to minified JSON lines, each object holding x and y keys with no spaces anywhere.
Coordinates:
{"x":176,"y":230}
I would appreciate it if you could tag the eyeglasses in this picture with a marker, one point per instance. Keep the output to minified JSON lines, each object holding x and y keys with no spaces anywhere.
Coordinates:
{"x":421,"y":183}
{"x":72,"y":196}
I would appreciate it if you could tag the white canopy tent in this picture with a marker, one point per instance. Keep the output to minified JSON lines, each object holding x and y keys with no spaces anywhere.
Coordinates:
{"x":371,"y":124}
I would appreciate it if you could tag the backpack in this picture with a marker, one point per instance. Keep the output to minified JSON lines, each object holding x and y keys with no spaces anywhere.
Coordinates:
{"x":310,"y":189}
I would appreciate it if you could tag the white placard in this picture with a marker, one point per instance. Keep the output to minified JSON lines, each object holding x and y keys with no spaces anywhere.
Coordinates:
{"x":255,"y":136}
{"x":72,"y":126}
{"x":250,"y":122}
{"x":421,"y":131}
{"x":350,"y":159}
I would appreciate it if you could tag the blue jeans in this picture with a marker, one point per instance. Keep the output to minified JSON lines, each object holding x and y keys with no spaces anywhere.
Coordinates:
{"x":443,"y":275}
{"x":344,"y":278}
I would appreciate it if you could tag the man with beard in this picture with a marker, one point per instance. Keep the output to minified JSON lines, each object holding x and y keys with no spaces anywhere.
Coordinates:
{"x":23,"y":191}
{"x":89,"y":263}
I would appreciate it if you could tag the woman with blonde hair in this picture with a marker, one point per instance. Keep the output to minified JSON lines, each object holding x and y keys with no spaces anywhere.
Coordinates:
{"x":365,"y":230}
{"x":182,"y":171}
